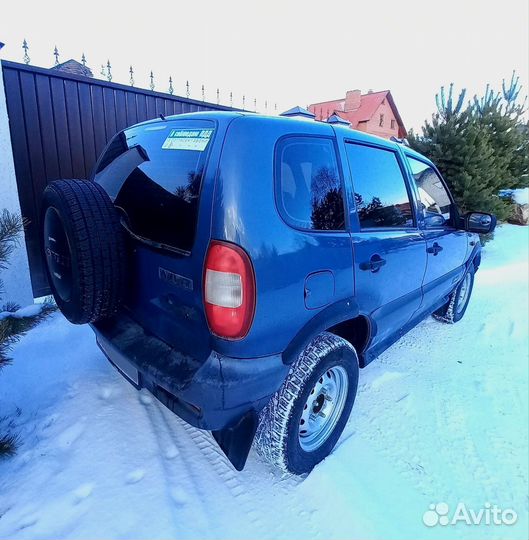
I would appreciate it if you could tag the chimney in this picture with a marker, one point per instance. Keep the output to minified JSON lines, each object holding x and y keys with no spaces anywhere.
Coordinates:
{"x":352,"y":100}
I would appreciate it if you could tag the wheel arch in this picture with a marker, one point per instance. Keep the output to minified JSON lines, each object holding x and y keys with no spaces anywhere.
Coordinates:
{"x":356,"y":331}
{"x":343,"y":319}
{"x":475,"y":257}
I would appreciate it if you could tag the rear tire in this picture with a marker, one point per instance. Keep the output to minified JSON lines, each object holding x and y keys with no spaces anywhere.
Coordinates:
{"x":84,"y":250}
{"x":287,"y":435}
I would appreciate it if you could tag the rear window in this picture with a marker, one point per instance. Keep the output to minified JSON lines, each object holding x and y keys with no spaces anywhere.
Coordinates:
{"x":153,"y":173}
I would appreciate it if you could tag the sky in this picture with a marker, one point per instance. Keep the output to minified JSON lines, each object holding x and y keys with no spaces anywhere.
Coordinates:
{"x":287,"y":52}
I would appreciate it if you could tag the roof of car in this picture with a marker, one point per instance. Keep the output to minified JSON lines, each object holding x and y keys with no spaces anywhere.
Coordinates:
{"x":344,"y":131}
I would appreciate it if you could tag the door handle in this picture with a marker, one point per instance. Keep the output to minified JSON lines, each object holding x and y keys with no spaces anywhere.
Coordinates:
{"x":374,"y":264}
{"x":435,"y":249}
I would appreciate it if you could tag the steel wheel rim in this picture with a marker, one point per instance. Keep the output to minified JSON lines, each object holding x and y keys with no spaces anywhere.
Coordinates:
{"x":323,"y":408}
{"x":464,"y":291}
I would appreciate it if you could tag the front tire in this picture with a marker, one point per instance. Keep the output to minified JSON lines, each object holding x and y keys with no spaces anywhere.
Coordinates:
{"x":304,"y":419}
{"x":457,"y":305}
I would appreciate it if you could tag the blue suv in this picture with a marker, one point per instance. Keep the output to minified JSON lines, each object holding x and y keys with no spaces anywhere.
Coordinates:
{"x":242,"y":268}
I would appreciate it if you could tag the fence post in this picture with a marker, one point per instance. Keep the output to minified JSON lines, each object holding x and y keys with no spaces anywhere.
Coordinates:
{"x":16,"y":278}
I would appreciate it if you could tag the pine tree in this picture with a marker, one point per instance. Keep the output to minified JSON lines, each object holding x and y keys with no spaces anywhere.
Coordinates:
{"x":10,"y":227}
{"x":479,"y":149}
{"x":12,"y":328}
{"x":501,"y":115}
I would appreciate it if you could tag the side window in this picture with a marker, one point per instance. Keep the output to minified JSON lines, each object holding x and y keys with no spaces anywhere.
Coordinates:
{"x":309,"y":190}
{"x":381,"y":197}
{"x":434,"y":198}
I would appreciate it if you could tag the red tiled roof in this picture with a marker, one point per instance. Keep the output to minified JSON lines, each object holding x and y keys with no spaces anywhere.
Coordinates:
{"x":326,"y":106}
{"x":369,"y":103}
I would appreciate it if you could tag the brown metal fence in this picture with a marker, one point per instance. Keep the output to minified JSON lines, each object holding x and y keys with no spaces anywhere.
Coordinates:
{"x":60,"y":123}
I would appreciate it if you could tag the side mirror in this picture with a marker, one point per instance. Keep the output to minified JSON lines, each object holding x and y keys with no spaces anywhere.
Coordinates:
{"x":479,"y":222}
{"x":434,"y":220}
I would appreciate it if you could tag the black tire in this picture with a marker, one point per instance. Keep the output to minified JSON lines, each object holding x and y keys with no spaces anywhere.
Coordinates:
{"x":84,"y":250}
{"x":278,"y":435}
{"x":454,"y":310}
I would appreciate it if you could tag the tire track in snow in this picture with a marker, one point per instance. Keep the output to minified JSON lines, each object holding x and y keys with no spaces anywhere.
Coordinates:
{"x":202,"y":461}
{"x":258,"y":510}
{"x":379,"y":423}
{"x":172,"y":475}
{"x":225,"y":471}
{"x":457,"y":433}
{"x":205,"y":470}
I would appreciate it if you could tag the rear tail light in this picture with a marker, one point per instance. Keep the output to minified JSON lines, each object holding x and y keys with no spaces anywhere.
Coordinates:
{"x":229,"y":290}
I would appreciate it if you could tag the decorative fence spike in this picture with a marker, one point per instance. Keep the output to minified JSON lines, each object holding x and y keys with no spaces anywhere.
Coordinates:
{"x":56,"y":54}
{"x":25,"y":46}
{"x":171,"y":89}
{"x":83,"y":59}
{"x":187,"y":89}
{"x":131,"y":80}
{"x":243,"y":101}
{"x":103,"y":72}
{"x":231,"y":99}
{"x":109,"y":71}
{"x":266,"y":105}
{"x":203,"y":93}
{"x":254,"y":104}
{"x":151,"y":85}
{"x":275,"y":108}
{"x":218,"y":96}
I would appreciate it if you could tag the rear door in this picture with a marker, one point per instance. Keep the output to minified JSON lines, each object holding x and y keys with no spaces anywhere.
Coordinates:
{"x":160,"y":177}
{"x":389,"y":250}
{"x":446,"y":246}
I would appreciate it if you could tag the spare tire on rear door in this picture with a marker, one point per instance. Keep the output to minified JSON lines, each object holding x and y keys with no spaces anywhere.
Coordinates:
{"x":84,"y":248}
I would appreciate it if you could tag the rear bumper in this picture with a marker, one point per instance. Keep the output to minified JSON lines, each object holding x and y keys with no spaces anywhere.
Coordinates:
{"x":214,"y":394}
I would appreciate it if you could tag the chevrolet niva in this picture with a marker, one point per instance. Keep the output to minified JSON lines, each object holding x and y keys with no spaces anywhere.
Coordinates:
{"x":242,"y":268}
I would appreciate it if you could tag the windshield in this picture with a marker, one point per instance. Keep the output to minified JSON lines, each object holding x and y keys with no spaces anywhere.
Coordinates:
{"x":153,"y":173}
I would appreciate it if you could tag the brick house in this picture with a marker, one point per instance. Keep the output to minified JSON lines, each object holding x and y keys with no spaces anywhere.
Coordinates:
{"x":374,"y":112}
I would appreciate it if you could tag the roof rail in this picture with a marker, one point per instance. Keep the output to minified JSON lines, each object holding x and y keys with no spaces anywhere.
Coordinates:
{"x":299,"y":112}
{"x":335,"y":119}
{"x":402,"y":141}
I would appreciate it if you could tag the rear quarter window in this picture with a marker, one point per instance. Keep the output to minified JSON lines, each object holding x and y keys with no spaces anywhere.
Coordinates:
{"x":154,"y":175}
{"x":309,"y":191}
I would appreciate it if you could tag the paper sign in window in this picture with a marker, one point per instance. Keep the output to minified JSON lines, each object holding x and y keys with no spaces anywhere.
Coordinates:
{"x":188,"y":139}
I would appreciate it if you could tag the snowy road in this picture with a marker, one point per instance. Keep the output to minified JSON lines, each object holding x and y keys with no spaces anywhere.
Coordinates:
{"x":442,"y":416}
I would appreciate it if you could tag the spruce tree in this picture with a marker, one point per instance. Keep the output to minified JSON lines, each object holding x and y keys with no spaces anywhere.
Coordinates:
{"x":501,"y":115}
{"x":10,"y":227}
{"x":12,"y":327}
{"x":480,"y":148}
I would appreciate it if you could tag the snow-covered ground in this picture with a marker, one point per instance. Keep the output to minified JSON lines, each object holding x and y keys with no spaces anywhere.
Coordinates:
{"x":521,"y":195}
{"x":441,"y":417}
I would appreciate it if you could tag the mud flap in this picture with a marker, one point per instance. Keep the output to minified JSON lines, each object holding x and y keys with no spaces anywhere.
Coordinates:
{"x":237,"y":440}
